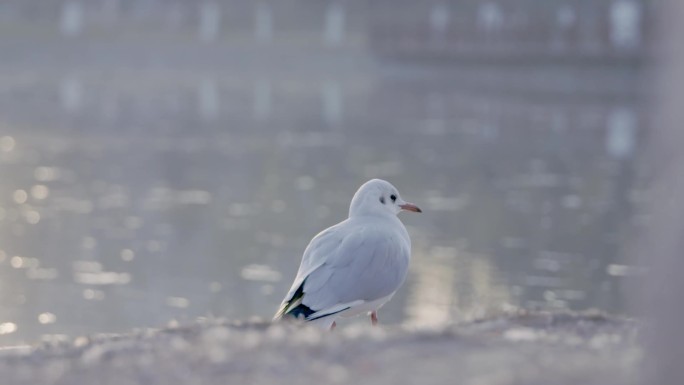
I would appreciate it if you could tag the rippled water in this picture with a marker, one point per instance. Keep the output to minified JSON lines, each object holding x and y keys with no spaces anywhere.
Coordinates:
{"x":135,"y":192}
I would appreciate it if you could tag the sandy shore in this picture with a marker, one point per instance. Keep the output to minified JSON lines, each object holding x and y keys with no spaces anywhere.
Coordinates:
{"x":522,"y":348}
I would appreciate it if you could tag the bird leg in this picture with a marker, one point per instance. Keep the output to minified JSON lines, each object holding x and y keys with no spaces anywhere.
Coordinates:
{"x":374,"y":318}
{"x":332,"y":327}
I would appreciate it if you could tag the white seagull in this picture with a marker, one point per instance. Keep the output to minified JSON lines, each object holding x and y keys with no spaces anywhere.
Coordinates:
{"x":355,"y":266}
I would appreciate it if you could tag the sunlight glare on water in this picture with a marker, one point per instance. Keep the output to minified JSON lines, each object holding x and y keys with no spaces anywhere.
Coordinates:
{"x":177,"y":170}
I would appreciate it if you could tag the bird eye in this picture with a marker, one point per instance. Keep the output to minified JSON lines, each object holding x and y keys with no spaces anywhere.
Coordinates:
{"x":393,"y":197}
{"x":382,"y":200}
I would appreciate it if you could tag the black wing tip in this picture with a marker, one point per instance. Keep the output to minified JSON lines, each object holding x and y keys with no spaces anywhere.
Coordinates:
{"x":300,"y":311}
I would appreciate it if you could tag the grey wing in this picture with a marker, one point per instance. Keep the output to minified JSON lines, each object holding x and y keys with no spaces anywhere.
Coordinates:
{"x":370,"y":263}
{"x":316,"y":253}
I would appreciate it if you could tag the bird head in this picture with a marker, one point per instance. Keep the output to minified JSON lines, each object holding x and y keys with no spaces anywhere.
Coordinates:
{"x":379,"y":197}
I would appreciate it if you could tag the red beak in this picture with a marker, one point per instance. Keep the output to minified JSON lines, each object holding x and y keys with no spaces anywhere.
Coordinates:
{"x":411,"y":207}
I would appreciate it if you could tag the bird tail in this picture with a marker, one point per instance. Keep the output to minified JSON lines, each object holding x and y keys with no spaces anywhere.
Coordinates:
{"x":304,"y":313}
{"x":296,"y":311}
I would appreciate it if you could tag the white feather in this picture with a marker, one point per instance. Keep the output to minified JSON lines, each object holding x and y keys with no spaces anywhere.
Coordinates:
{"x":356,"y":265}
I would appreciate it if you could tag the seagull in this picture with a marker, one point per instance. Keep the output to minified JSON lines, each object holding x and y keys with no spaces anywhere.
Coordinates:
{"x":355,"y":266}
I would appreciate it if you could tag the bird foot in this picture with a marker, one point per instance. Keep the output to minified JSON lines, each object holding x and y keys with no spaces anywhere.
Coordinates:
{"x":374,"y":318}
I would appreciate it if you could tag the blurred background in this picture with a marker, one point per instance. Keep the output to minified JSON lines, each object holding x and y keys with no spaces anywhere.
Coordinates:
{"x":166,"y":160}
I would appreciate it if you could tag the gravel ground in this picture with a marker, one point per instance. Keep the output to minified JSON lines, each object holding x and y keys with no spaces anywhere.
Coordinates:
{"x":520,"y":348}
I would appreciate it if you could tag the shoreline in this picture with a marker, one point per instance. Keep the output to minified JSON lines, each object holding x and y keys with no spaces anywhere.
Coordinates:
{"x":516,"y":348}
